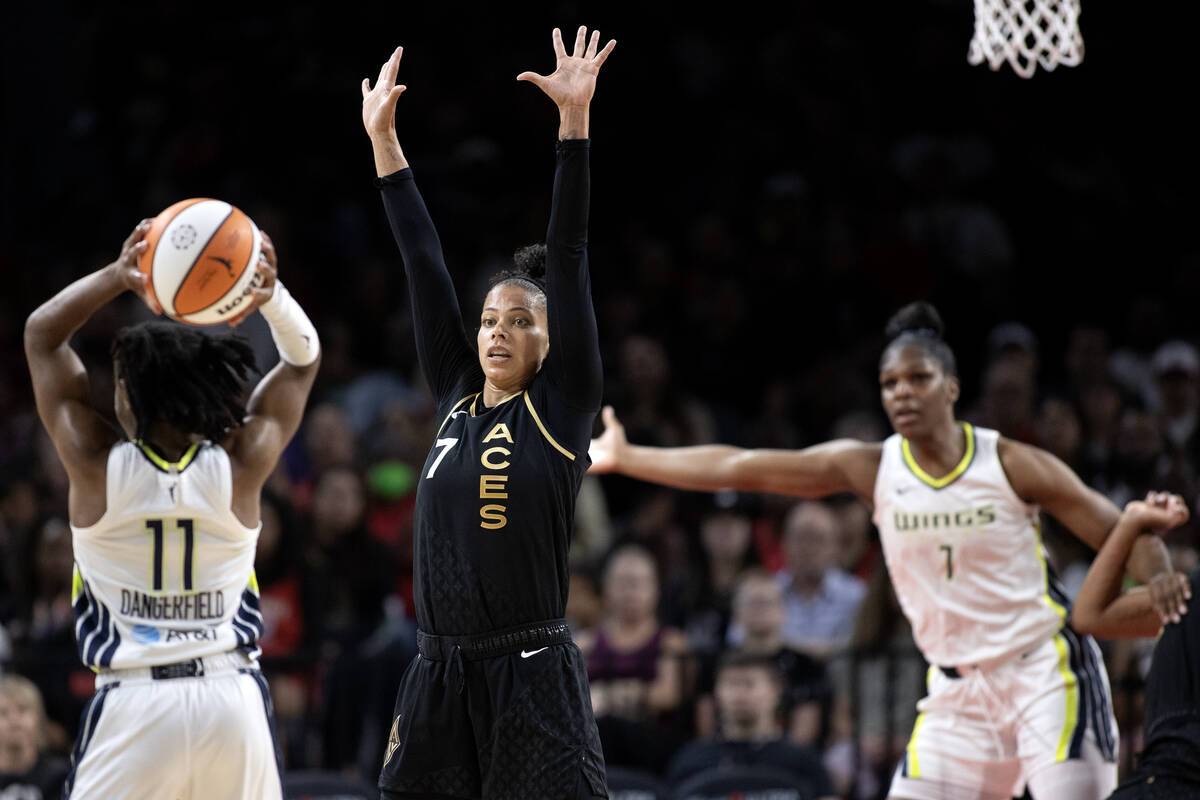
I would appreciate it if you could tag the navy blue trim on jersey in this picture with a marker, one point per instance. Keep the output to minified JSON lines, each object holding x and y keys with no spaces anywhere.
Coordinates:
{"x":261,"y":682}
{"x":88,"y":722}
{"x":1095,"y":704}
{"x":248,"y":621}
{"x":1054,"y":588}
{"x":1083,"y":686}
{"x":1091,"y":680}
{"x":96,"y":634}
{"x":87,"y":617}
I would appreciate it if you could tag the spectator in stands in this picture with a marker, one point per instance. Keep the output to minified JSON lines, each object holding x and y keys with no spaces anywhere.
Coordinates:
{"x":805,"y":697}
{"x":635,"y":664}
{"x":1141,"y":460}
{"x":748,"y":692}
{"x":633,"y":659}
{"x":1059,"y":430}
{"x":1101,"y":403}
{"x":821,"y":598}
{"x":1007,"y":400}
{"x":43,"y":629}
{"x":27,"y":771}
{"x":347,"y":574}
{"x":876,"y":685}
{"x":702,"y":598}
{"x":1177,"y":375}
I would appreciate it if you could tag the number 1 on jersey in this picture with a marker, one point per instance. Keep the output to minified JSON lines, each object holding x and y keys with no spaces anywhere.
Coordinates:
{"x":187,"y":527}
{"x":949,"y":562}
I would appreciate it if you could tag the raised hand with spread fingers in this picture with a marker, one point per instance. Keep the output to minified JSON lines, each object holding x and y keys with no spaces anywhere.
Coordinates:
{"x":573,"y":81}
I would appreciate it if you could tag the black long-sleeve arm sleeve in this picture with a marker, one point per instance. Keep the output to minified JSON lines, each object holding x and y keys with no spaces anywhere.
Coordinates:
{"x":573,"y":363}
{"x":446,"y":356}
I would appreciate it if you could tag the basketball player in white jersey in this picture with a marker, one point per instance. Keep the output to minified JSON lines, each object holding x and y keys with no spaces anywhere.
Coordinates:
{"x":165,"y":519}
{"x":1016,"y":698}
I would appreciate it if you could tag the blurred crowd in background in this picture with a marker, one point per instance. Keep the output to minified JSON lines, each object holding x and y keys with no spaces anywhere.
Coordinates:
{"x":762,"y":200}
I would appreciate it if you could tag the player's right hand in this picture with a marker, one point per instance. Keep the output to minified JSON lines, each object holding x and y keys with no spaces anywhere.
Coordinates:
{"x":605,"y":451}
{"x":379,"y":103}
{"x":126,"y":266}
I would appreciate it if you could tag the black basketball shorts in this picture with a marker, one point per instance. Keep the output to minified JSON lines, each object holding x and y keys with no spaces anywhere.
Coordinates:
{"x":515,"y":726}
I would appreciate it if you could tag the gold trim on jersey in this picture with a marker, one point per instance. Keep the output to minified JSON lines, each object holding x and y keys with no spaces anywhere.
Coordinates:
{"x":1072,"y":687}
{"x":451,"y":414}
{"x":502,"y":401}
{"x":162,"y":463}
{"x":546,"y":433}
{"x":954,"y":474}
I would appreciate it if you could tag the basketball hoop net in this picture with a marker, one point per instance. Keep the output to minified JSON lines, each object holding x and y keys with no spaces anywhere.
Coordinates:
{"x":1026,"y":33}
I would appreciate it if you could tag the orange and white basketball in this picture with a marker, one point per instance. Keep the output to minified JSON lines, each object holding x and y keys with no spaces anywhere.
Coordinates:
{"x":202,"y":258}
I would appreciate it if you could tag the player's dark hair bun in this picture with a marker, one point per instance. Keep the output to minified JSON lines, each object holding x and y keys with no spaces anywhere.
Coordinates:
{"x":915,"y":317}
{"x":531,"y":260}
{"x":529,"y":266}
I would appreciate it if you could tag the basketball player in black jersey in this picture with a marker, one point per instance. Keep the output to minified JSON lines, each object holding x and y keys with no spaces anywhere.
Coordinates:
{"x":496,"y":704}
{"x":1169,"y":764}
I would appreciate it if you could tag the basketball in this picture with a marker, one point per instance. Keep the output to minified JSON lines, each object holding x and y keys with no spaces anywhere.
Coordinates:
{"x":201,"y":256}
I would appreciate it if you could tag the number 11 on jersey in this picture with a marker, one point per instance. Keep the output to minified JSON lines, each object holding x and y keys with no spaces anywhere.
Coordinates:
{"x":187,"y":528}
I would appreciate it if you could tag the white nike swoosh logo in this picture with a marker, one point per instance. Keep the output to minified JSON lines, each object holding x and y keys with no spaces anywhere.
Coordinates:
{"x":528,"y":653}
{"x":456,"y":413}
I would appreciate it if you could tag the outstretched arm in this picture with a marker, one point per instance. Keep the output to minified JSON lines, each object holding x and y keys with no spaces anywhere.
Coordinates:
{"x":442,"y":345}
{"x":844,"y":465}
{"x":574,"y":359}
{"x":60,"y":381}
{"x":1039,"y":477}
{"x":1101,"y":609}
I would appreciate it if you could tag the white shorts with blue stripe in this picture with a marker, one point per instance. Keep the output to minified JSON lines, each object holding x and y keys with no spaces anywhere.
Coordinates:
{"x":201,"y":729}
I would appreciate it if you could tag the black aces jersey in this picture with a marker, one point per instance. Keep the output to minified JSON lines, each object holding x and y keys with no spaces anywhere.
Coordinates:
{"x":1172,"y":707}
{"x":496,"y":496}
{"x":495,"y":505}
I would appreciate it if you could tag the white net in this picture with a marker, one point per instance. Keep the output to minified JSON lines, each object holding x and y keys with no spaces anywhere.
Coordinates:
{"x":1026,"y":33}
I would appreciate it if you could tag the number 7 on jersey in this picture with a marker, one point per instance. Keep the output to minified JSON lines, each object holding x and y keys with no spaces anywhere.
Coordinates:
{"x":949,"y":551}
{"x":445,"y":444}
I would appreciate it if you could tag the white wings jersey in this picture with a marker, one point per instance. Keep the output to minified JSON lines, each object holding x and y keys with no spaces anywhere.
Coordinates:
{"x":965,"y":555}
{"x":167,"y":574}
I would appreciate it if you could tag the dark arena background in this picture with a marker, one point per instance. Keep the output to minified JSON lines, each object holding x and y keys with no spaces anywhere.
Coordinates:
{"x":769,"y":184}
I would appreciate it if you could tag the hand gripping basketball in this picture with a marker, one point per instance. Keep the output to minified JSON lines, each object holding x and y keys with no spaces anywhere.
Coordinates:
{"x":126,"y":266}
{"x":264,"y":286}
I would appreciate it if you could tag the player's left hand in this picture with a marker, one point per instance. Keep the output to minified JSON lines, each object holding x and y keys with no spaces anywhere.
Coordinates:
{"x":262,"y":288}
{"x":573,"y":81}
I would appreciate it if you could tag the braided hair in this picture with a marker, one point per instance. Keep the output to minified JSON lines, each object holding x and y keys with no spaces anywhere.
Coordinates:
{"x":180,"y":376}
{"x":528,"y":271}
{"x":918,"y":324}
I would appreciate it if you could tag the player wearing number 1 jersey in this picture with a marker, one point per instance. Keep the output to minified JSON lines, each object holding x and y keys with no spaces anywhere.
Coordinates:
{"x":165,"y":521}
{"x":496,"y":703}
{"x":1016,"y":698}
